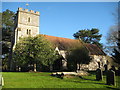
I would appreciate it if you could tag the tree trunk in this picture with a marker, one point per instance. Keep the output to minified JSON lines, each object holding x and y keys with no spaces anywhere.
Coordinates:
{"x":10,"y":60}
{"x":10,"y":55}
{"x":34,"y":65}
{"x":51,"y":67}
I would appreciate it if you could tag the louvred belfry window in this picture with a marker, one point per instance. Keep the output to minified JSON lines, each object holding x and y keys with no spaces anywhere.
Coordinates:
{"x":29,"y":19}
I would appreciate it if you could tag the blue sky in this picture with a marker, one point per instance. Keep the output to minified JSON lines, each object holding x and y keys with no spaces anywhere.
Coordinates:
{"x":63,"y":19}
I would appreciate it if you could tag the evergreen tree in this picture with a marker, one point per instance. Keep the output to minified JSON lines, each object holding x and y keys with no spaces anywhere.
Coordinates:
{"x":7,"y":29}
{"x":89,"y":36}
{"x":7,"y":34}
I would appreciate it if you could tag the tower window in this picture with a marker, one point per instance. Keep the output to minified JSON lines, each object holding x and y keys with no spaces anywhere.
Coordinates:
{"x":27,"y":31}
{"x":29,"y":19}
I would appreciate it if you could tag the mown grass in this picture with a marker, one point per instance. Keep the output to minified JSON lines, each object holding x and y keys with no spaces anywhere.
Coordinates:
{"x":44,"y":80}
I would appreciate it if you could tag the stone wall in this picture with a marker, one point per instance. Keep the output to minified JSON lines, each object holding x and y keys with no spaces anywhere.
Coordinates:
{"x":27,"y":23}
{"x":93,"y":65}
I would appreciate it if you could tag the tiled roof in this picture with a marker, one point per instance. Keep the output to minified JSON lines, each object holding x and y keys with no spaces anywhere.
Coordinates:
{"x":62,"y":43}
{"x":94,"y":49}
{"x":65,"y":43}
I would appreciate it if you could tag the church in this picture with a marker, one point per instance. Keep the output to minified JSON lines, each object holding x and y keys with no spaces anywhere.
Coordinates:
{"x":27,"y":23}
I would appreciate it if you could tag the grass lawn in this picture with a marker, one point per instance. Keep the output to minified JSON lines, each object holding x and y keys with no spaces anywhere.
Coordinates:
{"x":44,"y":80}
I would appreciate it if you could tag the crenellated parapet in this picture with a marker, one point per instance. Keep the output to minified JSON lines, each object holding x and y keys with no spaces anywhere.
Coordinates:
{"x":29,"y":11}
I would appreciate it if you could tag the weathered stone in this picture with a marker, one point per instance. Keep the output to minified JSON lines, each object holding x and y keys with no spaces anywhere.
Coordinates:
{"x":80,"y":73}
{"x":106,"y":67}
{"x":27,"y":24}
{"x":98,"y":74}
{"x":110,"y":77}
{"x":1,"y":81}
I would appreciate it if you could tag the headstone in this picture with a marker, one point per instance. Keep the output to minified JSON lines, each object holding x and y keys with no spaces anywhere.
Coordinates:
{"x":99,"y":64}
{"x":119,"y":71}
{"x":2,"y":81}
{"x":110,"y":77}
{"x":106,"y":67}
{"x":113,"y":68}
{"x":62,"y":75}
{"x":58,"y":75}
{"x":98,"y":74}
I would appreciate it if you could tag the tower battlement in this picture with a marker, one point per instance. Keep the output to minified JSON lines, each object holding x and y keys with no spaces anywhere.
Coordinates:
{"x":28,"y":11}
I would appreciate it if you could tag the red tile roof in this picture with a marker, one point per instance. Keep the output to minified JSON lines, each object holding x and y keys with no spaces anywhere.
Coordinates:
{"x":94,"y":49}
{"x":65,"y":43}
{"x":62,"y":43}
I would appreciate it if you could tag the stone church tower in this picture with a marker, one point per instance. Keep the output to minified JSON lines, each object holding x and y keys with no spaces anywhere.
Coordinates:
{"x":26,"y":23}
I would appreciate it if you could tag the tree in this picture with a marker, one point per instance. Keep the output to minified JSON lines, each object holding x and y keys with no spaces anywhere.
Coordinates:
{"x":78,"y":56}
{"x":7,"y":30}
{"x":89,"y":36}
{"x":116,"y":51}
{"x":111,"y":39}
{"x":30,"y":51}
{"x":114,"y":37}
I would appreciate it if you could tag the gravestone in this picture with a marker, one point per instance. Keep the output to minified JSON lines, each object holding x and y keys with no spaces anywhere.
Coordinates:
{"x":98,"y":74}
{"x":113,"y":68}
{"x":106,"y":67}
{"x":62,"y":75}
{"x":110,"y":77}
{"x":119,"y":71}
{"x":1,"y":81}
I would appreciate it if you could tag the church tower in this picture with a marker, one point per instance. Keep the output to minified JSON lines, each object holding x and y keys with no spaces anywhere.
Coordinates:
{"x":26,"y":23}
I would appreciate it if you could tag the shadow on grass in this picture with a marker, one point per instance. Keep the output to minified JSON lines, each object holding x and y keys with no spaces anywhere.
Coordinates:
{"x":92,"y":80}
{"x":87,"y":82}
{"x":113,"y":88}
{"x":86,"y":78}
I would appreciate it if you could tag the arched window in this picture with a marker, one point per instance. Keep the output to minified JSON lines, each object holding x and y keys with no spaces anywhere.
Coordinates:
{"x":27,"y":31}
{"x":29,"y":19}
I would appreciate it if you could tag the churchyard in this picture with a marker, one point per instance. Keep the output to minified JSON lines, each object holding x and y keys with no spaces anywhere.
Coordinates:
{"x":30,"y":56}
{"x":45,"y":80}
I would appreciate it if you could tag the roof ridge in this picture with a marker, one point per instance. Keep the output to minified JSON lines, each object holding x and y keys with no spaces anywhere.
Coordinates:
{"x":57,"y":37}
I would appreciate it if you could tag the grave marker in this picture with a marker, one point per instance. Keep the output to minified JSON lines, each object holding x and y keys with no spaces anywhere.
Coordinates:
{"x":110,"y":77}
{"x":98,"y":74}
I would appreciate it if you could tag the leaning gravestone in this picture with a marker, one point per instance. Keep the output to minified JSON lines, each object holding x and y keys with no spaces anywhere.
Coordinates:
{"x":110,"y":77}
{"x":98,"y":74}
